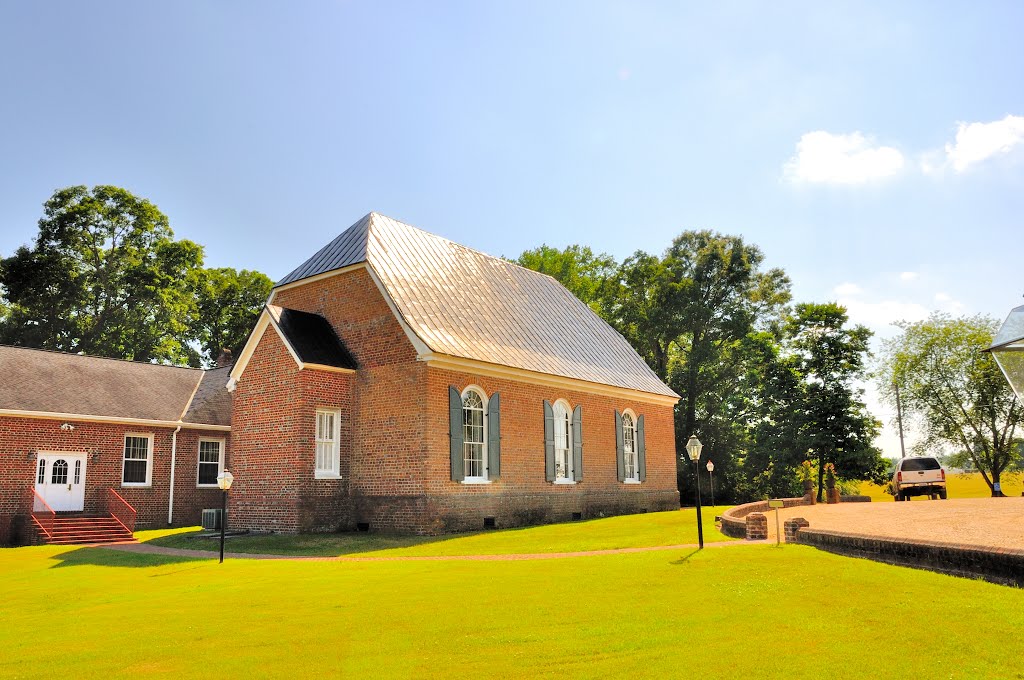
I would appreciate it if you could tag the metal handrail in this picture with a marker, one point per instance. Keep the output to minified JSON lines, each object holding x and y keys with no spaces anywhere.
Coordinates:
{"x":42,"y":513}
{"x":121,"y":510}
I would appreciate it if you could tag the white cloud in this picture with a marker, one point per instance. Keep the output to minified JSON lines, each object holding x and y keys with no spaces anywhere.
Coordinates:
{"x":847,"y":289}
{"x":825,"y":158}
{"x":908,"y":276}
{"x":879,"y":316}
{"x":977,"y":142}
{"x":946,"y":303}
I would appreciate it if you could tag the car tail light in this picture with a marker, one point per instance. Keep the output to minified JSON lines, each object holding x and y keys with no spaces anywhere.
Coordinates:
{"x":899,"y":476}
{"x":943,"y":472}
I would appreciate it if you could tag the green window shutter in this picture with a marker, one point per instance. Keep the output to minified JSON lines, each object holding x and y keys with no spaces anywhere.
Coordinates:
{"x":641,"y":448}
{"x":620,"y":461}
{"x":494,"y":436}
{"x":577,"y":443}
{"x":455,"y":432}
{"x":549,"y":442}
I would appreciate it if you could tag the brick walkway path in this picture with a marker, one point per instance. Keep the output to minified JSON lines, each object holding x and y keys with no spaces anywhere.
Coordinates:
{"x":981,"y":522}
{"x":146,"y":549}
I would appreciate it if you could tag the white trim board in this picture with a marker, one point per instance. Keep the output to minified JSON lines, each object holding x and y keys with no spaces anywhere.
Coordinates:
{"x":451,"y":363}
{"x":267,"y":319}
{"x":85,"y":418}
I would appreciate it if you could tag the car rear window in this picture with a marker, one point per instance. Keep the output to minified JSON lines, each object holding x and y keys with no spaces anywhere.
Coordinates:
{"x":915,"y":464}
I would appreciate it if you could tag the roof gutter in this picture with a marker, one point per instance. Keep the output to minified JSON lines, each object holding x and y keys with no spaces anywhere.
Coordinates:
{"x":86,"y":418}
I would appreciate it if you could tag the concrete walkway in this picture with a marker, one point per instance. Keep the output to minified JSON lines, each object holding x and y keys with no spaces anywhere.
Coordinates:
{"x":147,"y":549}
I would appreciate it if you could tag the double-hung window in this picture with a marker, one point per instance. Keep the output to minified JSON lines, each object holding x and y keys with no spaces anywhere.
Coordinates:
{"x":328,"y":443}
{"x":630,"y":461}
{"x":211,"y":461}
{"x":474,"y":440}
{"x":137,"y":468}
{"x":563,"y":443}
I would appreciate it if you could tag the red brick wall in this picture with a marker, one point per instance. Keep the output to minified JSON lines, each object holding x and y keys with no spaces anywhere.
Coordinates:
{"x":522,"y":495}
{"x":353,"y":305}
{"x":105,"y":443}
{"x":396,"y":467}
{"x":388,"y":448}
{"x":274,"y":444}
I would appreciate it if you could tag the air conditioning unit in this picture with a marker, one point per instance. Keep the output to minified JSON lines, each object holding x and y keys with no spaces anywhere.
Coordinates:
{"x":212,"y":518}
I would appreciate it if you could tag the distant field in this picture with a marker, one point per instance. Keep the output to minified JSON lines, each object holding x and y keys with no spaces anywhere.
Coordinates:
{"x":959,"y":486}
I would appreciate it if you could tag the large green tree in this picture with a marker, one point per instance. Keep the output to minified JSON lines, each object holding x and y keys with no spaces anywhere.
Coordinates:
{"x":104,"y":276}
{"x":829,"y":417}
{"x":688,"y":313}
{"x":953,"y":392}
{"x":576,"y":267}
{"x":229,"y":302}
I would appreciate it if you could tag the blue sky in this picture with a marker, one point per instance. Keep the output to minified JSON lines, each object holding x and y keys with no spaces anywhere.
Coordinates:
{"x":875,"y":151}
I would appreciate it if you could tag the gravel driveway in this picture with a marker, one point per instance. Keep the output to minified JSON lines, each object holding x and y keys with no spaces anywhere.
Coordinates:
{"x":988,"y":522}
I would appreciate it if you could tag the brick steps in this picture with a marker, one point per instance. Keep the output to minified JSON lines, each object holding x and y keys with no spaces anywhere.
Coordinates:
{"x":80,"y":530}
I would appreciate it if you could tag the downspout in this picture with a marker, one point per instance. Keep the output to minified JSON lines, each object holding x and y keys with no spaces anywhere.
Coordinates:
{"x":174,"y":461}
{"x":174,"y":447}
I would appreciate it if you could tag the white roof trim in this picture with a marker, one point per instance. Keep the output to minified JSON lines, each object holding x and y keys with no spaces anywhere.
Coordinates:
{"x":462,"y":365}
{"x":266,"y":319}
{"x":316,"y":277}
{"x":328,"y":369}
{"x":47,"y":415}
{"x":422,"y":350}
{"x":421,"y":347}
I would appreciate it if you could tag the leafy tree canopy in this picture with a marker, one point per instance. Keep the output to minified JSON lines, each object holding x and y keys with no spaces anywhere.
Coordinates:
{"x":229,"y":302}
{"x":105,"y":276}
{"x":953,"y":392}
{"x":576,"y":267}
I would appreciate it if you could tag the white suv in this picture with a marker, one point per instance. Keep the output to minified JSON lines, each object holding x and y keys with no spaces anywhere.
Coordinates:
{"x":918,"y":477}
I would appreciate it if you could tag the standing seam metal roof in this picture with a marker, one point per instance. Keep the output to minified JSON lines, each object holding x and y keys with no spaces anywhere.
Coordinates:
{"x":464,"y":303}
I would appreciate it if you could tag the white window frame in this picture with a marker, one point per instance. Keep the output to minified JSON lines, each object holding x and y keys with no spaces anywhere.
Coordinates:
{"x":335,"y":472}
{"x":635,"y":453}
{"x":482,"y":478}
{"x":149,"y":459}
{"x":570,"y":460}
{"x":200,"y":462}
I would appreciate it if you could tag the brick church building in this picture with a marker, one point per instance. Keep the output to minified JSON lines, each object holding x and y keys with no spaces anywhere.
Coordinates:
{"x":394,"y":381}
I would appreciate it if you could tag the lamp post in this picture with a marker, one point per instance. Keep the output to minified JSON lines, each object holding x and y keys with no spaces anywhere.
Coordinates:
{"x":711,"y":469}
{"x":224,"y":481}
{"x":693,"y":448}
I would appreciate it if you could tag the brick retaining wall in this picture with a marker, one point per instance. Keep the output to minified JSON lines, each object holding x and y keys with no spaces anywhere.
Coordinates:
{"x":734,"y":520}
{"x":999,"y":565}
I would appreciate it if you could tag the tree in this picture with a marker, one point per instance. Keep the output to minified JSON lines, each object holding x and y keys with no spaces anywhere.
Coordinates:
{"x":105,"y":277}
{"x":229,"y":303}
{"x":718,"y":294}
{"x":953,"y":392}
{"x":830,"y":417}
{"x":687,"y":314}
{"x":577,"y":268}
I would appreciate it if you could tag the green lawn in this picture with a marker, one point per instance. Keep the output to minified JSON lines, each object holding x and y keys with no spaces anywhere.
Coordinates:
{"x":626,"y":531}
{"x":743,"y":611}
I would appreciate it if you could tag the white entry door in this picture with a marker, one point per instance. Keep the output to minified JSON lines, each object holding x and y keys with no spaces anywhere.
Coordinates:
{"x":60,"y":480}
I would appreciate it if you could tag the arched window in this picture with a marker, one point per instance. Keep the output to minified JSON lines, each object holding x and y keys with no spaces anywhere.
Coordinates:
{"x":563,"y":442}
{"x":474,"y":435}
{"x":60,"y":472}
{"x":629,"y":448}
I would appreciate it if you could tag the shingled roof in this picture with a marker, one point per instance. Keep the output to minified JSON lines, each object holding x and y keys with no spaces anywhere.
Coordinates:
{"x":463,"y":303}
{"x":54,"y":382}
